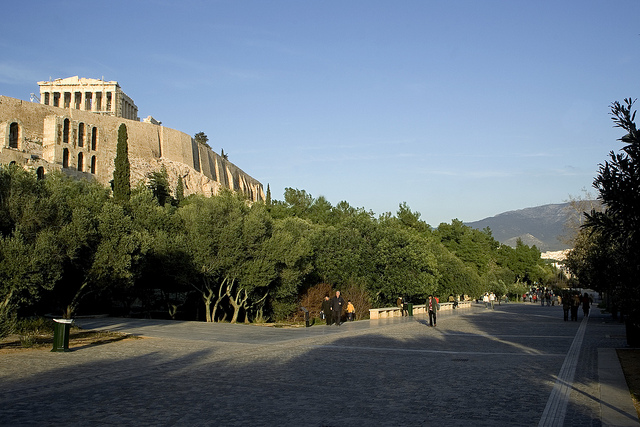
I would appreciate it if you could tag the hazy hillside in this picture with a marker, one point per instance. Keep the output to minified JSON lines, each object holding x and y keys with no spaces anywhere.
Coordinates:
{"x":540,"y":226}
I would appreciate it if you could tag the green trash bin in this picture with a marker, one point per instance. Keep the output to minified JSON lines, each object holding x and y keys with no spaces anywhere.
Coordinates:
{"x":61,"y":334}
{"x":410,"y":309}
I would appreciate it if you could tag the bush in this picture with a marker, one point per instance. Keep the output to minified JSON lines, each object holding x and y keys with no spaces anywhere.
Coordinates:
{"x":360,"y":299}
{"x":312,"y":299}
{"x":7,"y":326}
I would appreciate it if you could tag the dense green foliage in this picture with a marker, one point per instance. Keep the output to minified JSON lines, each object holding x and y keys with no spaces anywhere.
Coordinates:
{"x":122,"y":171}
{"x":607,"y":251}
{"x":159,"y":186}
{"x":202,"y":138}
{"x":68,"y":247}
{"x":179,"y":190}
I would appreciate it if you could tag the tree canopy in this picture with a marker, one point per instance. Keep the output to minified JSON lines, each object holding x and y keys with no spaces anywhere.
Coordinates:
{"x":607,"y":252}
{"x":68,"y":247}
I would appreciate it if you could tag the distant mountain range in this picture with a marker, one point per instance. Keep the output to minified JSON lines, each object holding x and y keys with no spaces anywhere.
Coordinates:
{"x":542,"y":226}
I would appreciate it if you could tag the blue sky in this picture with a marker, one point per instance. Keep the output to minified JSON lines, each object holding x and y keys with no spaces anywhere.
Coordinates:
{"x":461,"y":109}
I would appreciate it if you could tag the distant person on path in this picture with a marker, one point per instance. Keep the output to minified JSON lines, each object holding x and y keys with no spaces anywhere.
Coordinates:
{"x":351,"y":311}
{"x":336,"y":307}
{"x":432,"y":308}
{"x":400,"y":303}
{"x":492,"y":300}
{"x":485,"y":300}
{"x":575,"y":304}
{"x":452,"y":300}
{"x":566,"y":306}
{"x":326,"y":309}
{"x":586,"y":304}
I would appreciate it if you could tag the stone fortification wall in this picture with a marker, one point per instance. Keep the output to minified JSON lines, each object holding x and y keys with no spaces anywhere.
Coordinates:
{"x":82,"y":143}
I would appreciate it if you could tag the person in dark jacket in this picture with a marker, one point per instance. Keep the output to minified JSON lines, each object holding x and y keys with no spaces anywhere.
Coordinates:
{"x":326,"y":309}
{"x":432,"y":308}
{"x":566,"y":305}
{"x":337,"y":303}
{"x":575,"y":304}
{"x":586,"y":304}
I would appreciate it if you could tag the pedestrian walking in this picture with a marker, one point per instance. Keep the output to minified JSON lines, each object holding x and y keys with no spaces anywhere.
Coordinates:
{"x":337,"y":303}
{"x":400,"y":303}
{"x":432,"y":307}
{"x":326,"y":310}
{"x":575,"y":304}
{"x":453,"y":301}
{"x":586,"y":304}
{"x":566,"y":306}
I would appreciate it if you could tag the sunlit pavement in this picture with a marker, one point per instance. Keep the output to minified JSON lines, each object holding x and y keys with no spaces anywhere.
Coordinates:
{"x":519,"y":364}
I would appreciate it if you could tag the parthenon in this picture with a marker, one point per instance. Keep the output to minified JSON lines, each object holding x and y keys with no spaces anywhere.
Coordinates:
{"x":97,"y":96}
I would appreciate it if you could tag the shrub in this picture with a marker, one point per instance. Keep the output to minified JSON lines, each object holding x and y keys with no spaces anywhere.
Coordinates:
{"x":360,"y":299}
{"x":312,"y":299}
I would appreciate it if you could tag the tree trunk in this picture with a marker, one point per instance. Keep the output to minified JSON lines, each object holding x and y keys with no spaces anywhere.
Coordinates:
{"x":73,"y":305}
{"x":207,"y":296}
{"x":5,"y":306}
{"x":259,"y":303}
{"x":217,"y":303}
{"x":234,"y":301}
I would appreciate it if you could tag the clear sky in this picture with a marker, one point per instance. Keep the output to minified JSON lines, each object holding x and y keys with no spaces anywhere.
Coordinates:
{"x":460,"y":108}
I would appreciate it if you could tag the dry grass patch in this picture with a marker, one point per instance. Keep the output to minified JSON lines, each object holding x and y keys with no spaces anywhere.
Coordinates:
{"x":630,"y":361}
{"x":44,"y":340}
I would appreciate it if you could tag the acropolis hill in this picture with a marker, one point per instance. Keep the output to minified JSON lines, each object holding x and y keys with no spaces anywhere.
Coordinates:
{"x":74,"y":129}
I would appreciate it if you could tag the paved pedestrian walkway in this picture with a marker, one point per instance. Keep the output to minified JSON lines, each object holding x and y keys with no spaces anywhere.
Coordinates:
{"x":519,"y":364}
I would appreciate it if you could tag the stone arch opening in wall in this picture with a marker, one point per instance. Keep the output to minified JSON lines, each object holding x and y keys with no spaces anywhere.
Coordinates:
{"x":65,"y":158}
{"x":65,"y":131}
{"x":80,"y":161}
{"x":14,"y":132}
{"x":81,"y":135}
{"x":40,"y":172}
{"x":93,"y":164}
{"x":94,"y":138}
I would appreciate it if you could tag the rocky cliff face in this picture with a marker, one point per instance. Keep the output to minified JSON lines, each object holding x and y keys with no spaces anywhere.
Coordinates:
{"x":194,"y":182}
{"x":83,"y":144}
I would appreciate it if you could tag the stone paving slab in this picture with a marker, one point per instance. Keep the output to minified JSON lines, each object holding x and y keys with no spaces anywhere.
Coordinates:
{"x":477,"y":367}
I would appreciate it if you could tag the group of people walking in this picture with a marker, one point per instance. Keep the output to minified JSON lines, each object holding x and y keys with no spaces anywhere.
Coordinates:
{"x":546,"y":297}
{"x":432,"y":306}
{"x":572,"y":302}
{"x":332,"y":309}
{"x":489,"y":299}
